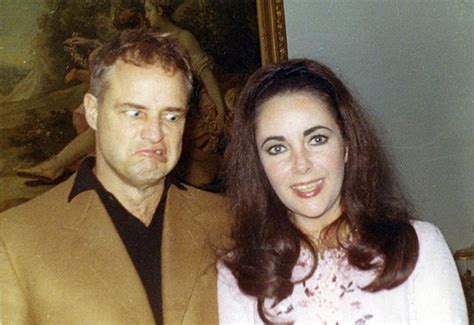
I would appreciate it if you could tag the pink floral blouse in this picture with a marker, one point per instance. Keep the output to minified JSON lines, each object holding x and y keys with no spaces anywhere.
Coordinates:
{"x":332,"y":295}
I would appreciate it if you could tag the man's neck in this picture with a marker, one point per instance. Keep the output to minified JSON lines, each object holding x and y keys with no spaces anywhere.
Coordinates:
{"x":141,"y":202}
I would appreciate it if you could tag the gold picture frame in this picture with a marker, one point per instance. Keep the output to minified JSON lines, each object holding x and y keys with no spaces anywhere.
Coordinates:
{"x":272,"y":31}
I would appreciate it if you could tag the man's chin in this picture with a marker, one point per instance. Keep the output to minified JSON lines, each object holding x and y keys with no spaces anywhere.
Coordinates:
{"x":143,"y":181}
{"x":146,"y":173}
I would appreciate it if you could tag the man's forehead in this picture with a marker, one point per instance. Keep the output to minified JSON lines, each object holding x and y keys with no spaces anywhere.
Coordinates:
{"x":121,"y":65}
{"x":133,"y":75}
{"x":145,"y":85}
{"x":127,"y":79}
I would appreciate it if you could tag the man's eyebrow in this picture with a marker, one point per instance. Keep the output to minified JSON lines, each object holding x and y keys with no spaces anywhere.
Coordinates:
{"x":131,"y":105}
{"x":143,"y":107}
{"x":276,"y":138}
{"x":314,"y":128}
{"x":176,"y":109}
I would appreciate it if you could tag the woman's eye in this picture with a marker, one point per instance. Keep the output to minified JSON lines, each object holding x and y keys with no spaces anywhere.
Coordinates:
{"x":276,"y":149}
{"x":132,"y":113}
{"x":319,"y":139}
{"x":171,"y":117}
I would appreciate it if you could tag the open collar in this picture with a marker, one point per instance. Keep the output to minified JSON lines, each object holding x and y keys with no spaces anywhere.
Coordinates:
{"x":183,"y":243}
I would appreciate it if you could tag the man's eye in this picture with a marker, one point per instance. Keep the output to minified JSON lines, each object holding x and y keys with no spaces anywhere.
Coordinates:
{"x":319,"y":139}
{"x":132,"y":113}
{"x":276,"y":149}
{"x":171,"y":117}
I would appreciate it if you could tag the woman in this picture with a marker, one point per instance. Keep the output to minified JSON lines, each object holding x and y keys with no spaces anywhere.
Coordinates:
{"x":322,"y":235}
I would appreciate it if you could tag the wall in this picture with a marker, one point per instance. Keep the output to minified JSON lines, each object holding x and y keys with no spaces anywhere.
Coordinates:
{"x":411,"y":64}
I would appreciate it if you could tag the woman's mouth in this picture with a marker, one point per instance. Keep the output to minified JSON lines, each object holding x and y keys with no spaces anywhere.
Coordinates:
{"x":309,"y":189}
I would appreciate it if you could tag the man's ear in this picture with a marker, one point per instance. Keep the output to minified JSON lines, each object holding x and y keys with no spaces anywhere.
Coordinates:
{"x":91,"y":108}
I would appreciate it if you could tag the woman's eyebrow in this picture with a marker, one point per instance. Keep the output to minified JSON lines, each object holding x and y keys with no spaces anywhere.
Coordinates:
{"x":314,"y":128}
{"x":276,"y":138}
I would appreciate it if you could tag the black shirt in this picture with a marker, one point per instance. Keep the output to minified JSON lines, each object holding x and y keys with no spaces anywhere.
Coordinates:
{"x":143,"y":243}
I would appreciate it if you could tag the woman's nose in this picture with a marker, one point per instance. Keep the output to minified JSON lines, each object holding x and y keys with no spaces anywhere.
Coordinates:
{"x":302,"y":161}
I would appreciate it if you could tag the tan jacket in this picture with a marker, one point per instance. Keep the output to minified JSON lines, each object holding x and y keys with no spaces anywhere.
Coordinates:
{"x":64,"y":262}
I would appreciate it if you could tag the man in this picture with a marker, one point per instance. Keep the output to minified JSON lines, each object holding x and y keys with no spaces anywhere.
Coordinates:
{"x":120,"y":242}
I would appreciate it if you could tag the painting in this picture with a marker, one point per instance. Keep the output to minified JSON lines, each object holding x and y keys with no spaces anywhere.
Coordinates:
{"x":44,"y":58}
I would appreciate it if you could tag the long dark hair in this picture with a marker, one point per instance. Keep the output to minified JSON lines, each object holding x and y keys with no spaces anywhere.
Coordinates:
{"x":266,"y":242}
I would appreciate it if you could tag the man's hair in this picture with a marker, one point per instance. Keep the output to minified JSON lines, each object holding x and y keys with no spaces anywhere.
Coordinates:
{"x":140,"y":47}
{"x":266,"y":241}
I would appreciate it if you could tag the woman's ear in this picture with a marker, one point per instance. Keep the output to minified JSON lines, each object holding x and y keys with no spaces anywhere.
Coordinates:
{"x":346,"y":153}
{"x":91,"y":108}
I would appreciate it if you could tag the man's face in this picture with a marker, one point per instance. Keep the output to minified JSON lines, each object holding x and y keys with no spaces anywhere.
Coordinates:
{"x":139,"y":125}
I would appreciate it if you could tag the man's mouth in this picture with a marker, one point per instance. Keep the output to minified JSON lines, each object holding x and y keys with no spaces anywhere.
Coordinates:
{"x":158,"y":154}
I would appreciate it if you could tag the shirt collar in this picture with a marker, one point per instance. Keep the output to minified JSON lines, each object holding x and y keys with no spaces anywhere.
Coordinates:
{"x":86,"y":180}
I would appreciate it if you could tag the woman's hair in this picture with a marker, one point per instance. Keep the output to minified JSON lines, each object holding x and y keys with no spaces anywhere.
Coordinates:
{"x":266,"y":241}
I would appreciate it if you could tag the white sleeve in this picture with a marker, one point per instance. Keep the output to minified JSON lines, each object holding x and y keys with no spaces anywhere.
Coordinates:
{"x":435,"y":285}
{"x":234,"y":306}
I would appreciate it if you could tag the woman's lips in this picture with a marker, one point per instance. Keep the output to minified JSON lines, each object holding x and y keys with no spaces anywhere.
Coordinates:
{"x":308,"y":189}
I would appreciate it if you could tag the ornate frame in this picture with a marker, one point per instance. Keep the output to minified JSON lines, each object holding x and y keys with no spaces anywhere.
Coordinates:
{"x":272,"y":31}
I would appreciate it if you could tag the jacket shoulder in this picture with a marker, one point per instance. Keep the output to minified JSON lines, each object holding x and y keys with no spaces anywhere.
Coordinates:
{"x":203,"y":201}
{"x":210,"y":210}
{"x":49,"y":201}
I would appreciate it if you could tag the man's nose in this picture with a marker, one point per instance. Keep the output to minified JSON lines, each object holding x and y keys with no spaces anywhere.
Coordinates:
{"x":152,"y":130}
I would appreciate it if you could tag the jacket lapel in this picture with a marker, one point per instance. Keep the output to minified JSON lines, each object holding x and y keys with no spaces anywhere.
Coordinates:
{"x":182,"y":252}
{"x":103,"y":256}
{"x":102,"y":259}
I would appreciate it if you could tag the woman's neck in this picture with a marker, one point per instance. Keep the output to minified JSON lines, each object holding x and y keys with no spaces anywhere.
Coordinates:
{"x":330,"y":235}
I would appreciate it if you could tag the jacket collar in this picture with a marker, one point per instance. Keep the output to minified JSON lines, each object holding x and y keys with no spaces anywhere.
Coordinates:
{"x":182,"y":250}
{"x":100,"y":250}
{"x":182,"y":247}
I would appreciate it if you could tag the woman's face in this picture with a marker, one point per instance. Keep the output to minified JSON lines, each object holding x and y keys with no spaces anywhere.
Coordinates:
{"x":151,"y":14}
{"x":303,"y":155}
